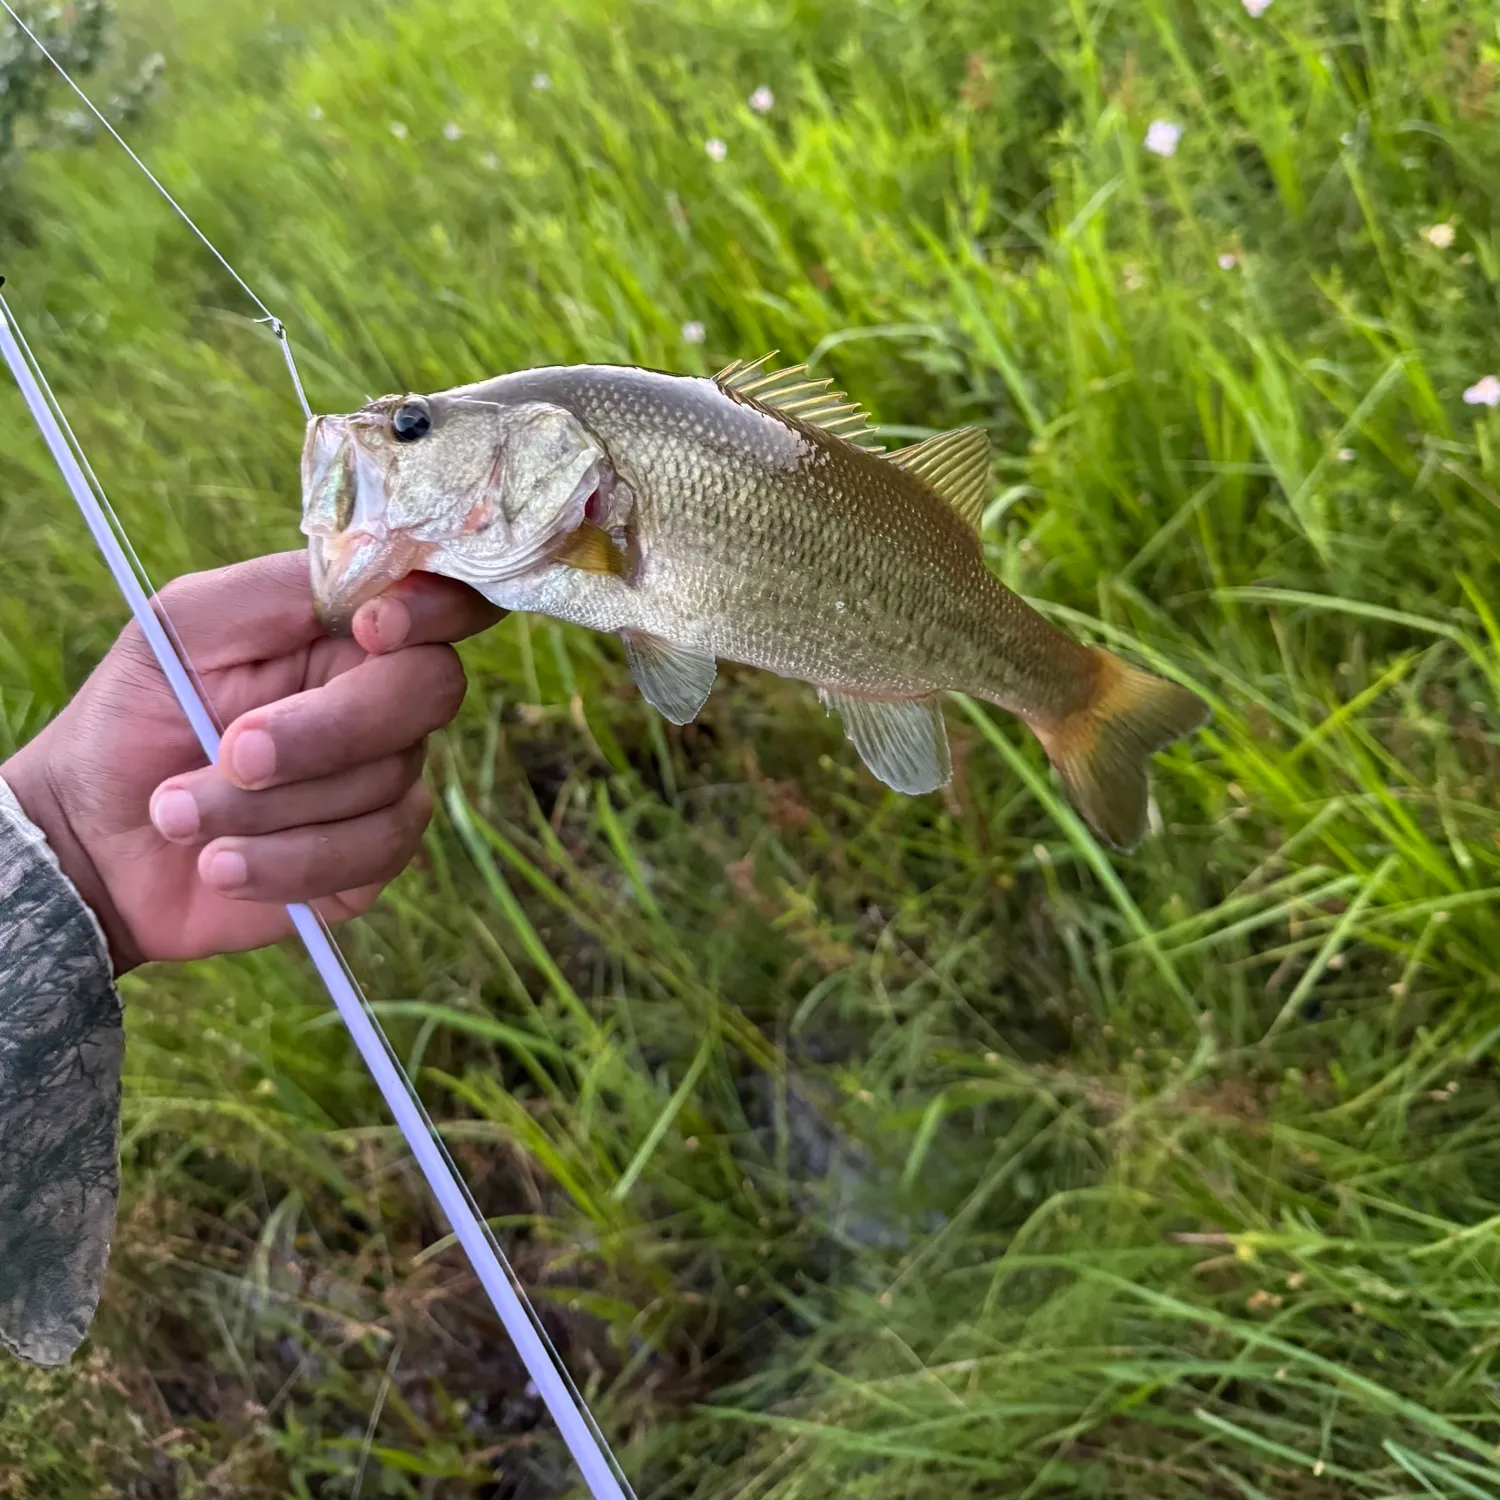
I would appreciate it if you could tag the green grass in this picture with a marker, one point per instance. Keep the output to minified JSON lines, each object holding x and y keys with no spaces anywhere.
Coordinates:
{"x":854,"y":1144}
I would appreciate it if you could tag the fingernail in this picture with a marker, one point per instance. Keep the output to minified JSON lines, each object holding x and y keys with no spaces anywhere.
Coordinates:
{"x":175,"y":813}
{"x":392,"y":624}
{"x":227,"y":870}
{"x":254,"y":756}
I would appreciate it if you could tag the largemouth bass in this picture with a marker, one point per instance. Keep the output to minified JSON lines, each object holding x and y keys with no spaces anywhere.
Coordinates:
{"x":751,"y":517}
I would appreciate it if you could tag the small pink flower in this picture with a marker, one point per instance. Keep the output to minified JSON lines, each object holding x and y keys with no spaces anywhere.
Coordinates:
{"x":1162,"y":137}
{"x":1484,"y":392}
{"x":1228,"y":261}
{"x":716,"y":148}
{"x":1255,"y":9}
{"x":762,"y":100}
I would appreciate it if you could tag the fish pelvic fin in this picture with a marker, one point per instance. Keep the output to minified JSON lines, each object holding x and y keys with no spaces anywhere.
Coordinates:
{"x":674,"y":680}
{"x":1102,"y":750}
{"x":903,"y":741}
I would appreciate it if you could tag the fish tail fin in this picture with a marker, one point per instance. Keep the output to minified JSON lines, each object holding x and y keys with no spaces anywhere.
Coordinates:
{"x":1102,"y":750}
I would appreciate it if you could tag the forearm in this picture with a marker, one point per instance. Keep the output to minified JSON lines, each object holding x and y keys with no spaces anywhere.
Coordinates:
{"x":61,"y":1042}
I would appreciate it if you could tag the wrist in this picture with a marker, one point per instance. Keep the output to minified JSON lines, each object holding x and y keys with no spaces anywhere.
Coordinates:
{"x":29,"y":778}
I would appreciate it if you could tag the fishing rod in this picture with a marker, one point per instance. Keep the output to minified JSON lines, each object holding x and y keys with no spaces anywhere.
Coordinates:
{"x":602,"y":1472}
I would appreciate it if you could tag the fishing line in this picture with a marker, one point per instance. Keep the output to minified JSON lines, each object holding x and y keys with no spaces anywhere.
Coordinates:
{"x":543,"y":1362}
{"x":277,"y":326}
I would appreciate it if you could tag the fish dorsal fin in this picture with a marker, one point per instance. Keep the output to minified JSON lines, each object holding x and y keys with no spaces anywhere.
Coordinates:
{"x":795,"y":393}
{"x":955,"y":464}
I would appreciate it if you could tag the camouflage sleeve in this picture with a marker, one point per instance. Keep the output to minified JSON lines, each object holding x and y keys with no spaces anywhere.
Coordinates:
{"x":61,"y":1043}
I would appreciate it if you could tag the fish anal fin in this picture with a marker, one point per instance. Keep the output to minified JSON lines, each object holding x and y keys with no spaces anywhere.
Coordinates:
{"x":956,"y":465}
{"x":902,"y":740}
{"x":674,"y":680}
{"x":1103,"y":749}
{"x":795,"y":393}
{"x":591,"y":549}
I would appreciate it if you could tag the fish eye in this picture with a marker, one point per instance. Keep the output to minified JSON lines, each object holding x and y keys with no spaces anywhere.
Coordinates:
{"x":410,"y":422}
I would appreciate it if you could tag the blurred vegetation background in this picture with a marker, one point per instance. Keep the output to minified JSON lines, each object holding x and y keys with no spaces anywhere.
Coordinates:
{"x":851,"y":1143}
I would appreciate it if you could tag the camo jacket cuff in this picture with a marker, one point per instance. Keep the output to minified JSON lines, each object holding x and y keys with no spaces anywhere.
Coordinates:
{"x":61,"y":1044}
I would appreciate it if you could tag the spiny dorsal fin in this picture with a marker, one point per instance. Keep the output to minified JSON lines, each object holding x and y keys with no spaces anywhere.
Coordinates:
{"x":956,"y":465}
{"x":795,"y":393}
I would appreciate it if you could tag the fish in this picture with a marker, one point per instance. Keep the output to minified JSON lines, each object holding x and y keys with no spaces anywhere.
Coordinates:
{"x":751,"y":517}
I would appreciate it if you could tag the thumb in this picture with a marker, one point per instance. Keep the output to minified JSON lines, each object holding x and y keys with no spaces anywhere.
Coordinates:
{"x":246,"y":612}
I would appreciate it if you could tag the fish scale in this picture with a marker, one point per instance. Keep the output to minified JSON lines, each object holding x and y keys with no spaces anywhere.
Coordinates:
{"x":757,"y":527}
{"x":746,"y":518}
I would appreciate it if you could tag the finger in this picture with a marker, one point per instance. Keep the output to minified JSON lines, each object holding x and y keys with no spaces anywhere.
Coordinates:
{"x":203,"y":805}
{"x":381,"y":707}
{"x":303,"y":864}
{"x":422,"y":608}
{"x":248,"y":611}
{"x":347,"y":905}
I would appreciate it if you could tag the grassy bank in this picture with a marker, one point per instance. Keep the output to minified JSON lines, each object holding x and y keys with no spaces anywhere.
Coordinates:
{"x":854,"y":1144}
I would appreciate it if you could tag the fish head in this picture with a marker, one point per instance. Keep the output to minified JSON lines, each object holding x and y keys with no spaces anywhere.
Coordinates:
{"x":481,"y":491}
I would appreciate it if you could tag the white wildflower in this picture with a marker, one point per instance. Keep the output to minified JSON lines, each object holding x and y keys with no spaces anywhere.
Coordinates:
{"x":399,"y":130}
{"x":716,"y":148}
{"x":1346,"y":455}
{"x":692,"y":333}
{"x":1162,"y":137}
{"x":1255,"y":9}
{"x":1440,"y":235}
{"x":762,"y":100}
{"x":1347,"y":138}
{"x":541,"y":81}
{"x":315,"y":112}
{"x":1228,"y":261}
{"x":1484,"y":392}
{"x":451,"y":132}
{"x":489,"y":161}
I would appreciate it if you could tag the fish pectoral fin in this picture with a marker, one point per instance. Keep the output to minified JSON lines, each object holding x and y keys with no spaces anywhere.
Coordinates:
{"x":674,"y":680}
{"x":591,"y":549}
{"x":902,"y":740}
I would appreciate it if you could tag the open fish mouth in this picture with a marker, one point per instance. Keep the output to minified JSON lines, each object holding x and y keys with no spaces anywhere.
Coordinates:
{"x":353,"y":556}
{"x":351,"y":569}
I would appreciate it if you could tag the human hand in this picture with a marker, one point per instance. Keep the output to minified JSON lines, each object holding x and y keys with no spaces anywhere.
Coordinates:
{"x":318,"y":795}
